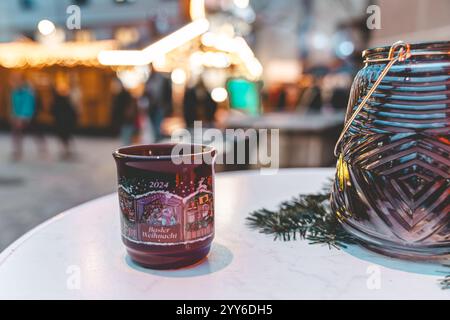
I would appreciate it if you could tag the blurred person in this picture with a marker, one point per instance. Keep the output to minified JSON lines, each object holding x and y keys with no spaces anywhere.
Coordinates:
{"x":166,"y":97}
{"x":145,"y":125}
{"x":190,"y":102}
{"x":125,"y":116}
{"x":36,"y":130}
{"x":158,"y":91}
{"x":282,"y":98}
{"x":210,"y":109}
{"x":339,"y":98}
{"x":65,"y":118}
{"x":23,"y":109}
{"x":207,"y":107}
{"x":311,"y":98}
{"x":338,"y":83}
{"x":121,"y":96}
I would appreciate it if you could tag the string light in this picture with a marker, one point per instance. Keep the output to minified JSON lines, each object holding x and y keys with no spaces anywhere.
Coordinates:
{"x":252,"y":64}
{"x":32,"y":54}
{"x":176,"y":39}
{"x":133,"y":77}
{"x":241,"y":4}
{"x":178,"y":76}
{"x":197,"y":9}
{"x":46,"y":27}
{"x":215,"y":59}
{"x":219,"y":94}
{"x":160,"y":63}
{"x":157,"y":49}
{"x":122,"y":58}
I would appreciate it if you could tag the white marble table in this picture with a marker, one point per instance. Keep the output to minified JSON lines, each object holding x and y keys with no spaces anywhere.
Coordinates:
{"x":79,"y":254}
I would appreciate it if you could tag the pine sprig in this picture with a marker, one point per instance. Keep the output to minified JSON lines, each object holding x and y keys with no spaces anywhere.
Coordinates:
{"x":307,"y":217}
{"x":304,"y":217}
{"x":445,"y":283}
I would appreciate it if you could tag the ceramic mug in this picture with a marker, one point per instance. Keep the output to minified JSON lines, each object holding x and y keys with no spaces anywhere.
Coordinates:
{"x":166,"y":198}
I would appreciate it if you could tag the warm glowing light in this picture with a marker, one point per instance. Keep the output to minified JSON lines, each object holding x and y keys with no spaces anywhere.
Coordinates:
{"x":196,"y":60}
{"x":209,"y":59}
{"x":237,"y":46}
{"x":160,"y":63}
{"x":252,"y":64}
{"x":46,"y":27}
{"x":242,"y":4}
{"x":219,"y":94}
{"x":126,"y":35}
{"x":176,"y":39}
{"x":243,"y":48}
{"x":133,"y":77}
{"x":122,"y":58}
{"x":219,"y":42}
{"x":38,"y":55}
{"x":283,"y":70}
{"x":208,"y":39}
{"x":178,"y":76}
{"x":156,"y":50}
{"x":227,"y":30}
{"x":171,"y":124}
{"x":216,"y":60}
{"x":197,"y":9}
{"x":254,"y":67}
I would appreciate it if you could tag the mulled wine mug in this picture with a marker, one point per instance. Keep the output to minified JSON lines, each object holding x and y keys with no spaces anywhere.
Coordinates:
{"x":166,"y":203}
{"x":392,"y":180}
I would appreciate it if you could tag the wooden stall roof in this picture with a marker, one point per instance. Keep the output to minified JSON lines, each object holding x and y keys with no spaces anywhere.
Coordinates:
{"x":30,"y":54}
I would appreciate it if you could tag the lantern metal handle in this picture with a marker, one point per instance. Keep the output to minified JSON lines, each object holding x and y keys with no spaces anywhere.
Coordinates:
{"x":404,"y":52}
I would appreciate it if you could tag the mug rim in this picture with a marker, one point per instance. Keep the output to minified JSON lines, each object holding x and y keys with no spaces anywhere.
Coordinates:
{"x":119,"y":152}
